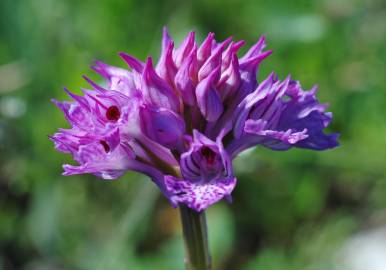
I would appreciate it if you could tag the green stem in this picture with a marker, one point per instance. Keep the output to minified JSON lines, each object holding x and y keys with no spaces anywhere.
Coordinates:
{"x":196,"y":239}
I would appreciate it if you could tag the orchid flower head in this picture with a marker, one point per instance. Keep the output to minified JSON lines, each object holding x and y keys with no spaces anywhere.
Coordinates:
{"x":184,"y":119}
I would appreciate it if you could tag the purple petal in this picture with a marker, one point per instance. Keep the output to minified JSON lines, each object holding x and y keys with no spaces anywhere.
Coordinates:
{"x":119,"y":79}
{"x":211,"y":63}
{"x":185,"y":48}
{"x":132,"y":62}
{"x":184,"y":79}
{"x":248,"y":71}
{"x":157,"y":91}
{"x":75,"y":114}
{"x":166,"y":68}
{"x":165,"y":38}
{"x":255,"y":49}
{"x":278,"y":140}
{"x":108,"y":71}
{"x":163,"y":126}
{"x":208,"y":99}
{"x":205,"y":49}
{"x":280,"y":115}
{"x":230,"y":80}
{"x":94,"y":159}
{"x":244,"y":108}
{"x":228,"y":54}
{"x":303,"y":111}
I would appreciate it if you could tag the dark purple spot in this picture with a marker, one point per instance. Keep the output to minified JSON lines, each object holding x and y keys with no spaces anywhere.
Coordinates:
{"x":105,"y":146}
{"x":113,"y":113}
{"x":208,"y":154}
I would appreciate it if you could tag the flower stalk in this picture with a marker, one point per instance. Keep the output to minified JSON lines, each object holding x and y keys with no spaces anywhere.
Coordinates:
{"x":195,"y":238}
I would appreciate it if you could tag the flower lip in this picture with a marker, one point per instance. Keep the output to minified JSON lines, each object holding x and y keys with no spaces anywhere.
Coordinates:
{"x":204,"y":161}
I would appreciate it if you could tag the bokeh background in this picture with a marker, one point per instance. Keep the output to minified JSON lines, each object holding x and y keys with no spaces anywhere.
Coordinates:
{"x":292,"y":210}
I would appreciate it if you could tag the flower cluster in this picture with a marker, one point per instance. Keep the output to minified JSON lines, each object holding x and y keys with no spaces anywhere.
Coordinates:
{"x":182,"y":121}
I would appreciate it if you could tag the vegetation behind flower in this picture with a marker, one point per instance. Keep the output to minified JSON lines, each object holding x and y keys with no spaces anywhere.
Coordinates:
{"x":311,"y":202}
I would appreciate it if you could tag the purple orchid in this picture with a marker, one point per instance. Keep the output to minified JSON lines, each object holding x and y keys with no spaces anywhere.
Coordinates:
{"x":184,"y":120}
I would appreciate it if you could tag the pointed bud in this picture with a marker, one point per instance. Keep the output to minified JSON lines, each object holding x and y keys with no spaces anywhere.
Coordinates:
{"x":229,"y":52}
{"x":81,"y":100}
{"x":156,"y":90}
{"x":185,"y":48}
{"x":248,"y":71}
{"x":132,"y":62}
{"x":186,"y":76}
{"x":94,"y":85}
{"x":165,"y":38}
{"x":230,"y":80}
{"x":108,"y":71}
{"x":254,"y":50}
{"x":251,"y":63}
{"x":213,"y":62}
{"x":208,"y":99}
{"x":225,"y":43}
{"x":166,"y":68}
{"x":205,"y":49}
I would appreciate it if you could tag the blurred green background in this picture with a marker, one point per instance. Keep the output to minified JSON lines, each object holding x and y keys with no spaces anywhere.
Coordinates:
{"x":292,"y":210}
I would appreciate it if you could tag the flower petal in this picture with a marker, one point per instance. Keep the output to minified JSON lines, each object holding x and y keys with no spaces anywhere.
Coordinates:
{"x":280,"y":115}
{"x":185,"y":48}
{"x":198,"y":195}
{"x":185,"y":77}
{"x":156,"y":90}
{"x":133,"y":62}
{"x":230,"y":80}
{"x":166,"y":68}
{"x":205,"y":49}
{"x":211,"y":63}
{"x":162,"y":125}
{"x":208,"y":99}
